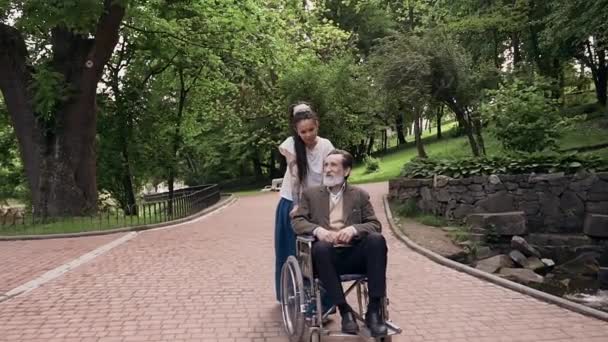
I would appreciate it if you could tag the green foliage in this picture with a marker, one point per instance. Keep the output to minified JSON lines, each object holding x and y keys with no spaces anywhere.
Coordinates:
{"x":432,"y":220}
{"x":519,"y":164}
{"x":523,"y":117}
{"x":371,"y":164}
{"x":407,"y":208}
{"x":78,"y":16}
{"x":12,"y":183}
{"x":49,"y":89}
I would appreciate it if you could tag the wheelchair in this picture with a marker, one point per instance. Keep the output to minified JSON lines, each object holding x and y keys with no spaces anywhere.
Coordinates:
{"x":300,"y":296}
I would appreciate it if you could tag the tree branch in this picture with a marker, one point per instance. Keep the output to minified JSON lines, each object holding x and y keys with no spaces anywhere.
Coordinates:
{"x":106,"y":35}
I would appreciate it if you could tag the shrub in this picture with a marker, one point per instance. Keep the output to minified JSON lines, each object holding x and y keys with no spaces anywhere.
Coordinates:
{"x":371,"y":164}
{"x":522,"y":117}
{"x":408,"y":208}
{"x":515,"y":164}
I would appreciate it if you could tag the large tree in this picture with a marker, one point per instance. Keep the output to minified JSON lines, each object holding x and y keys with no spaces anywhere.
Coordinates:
{"x":52,"y":55}
{"x":579,"y":28}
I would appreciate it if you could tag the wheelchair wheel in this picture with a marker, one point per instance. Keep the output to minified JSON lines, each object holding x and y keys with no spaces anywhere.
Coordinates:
{"x":292,"y":299}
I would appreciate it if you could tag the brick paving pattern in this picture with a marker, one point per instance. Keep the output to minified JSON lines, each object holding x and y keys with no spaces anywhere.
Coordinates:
{"x":212,"y":280}
{"x":21,"y":261}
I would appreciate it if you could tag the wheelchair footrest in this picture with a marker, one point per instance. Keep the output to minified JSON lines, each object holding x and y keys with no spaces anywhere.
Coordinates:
{"x":392,"y":330}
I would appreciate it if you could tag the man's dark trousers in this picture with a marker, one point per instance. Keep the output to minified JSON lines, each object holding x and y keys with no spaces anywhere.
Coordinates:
{"x":367,"y":255}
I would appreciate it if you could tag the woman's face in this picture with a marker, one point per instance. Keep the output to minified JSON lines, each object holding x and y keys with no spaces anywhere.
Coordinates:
{"x":307,"y":130}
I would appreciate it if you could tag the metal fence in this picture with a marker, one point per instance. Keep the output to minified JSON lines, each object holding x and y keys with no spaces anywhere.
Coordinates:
{"x":155,"y":208}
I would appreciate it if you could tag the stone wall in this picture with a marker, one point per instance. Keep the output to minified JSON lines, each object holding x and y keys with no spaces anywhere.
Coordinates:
{"x":551,"y":203}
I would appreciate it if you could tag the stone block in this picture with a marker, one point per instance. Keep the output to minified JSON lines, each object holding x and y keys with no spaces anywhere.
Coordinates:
{"x":597,"y":208}
{"x":508,"y":223}
{"x":497,"y":203}
{"x":521,"y":275}
{"x":494,"y":263}
{"x":596,"y":225}
{"x":534,"y":178}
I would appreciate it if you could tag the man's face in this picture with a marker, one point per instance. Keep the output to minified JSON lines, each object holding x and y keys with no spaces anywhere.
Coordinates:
{"x":332,"y":167}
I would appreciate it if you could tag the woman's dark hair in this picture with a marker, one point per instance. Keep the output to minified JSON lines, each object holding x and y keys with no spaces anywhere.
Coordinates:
{"x":299,"y":145}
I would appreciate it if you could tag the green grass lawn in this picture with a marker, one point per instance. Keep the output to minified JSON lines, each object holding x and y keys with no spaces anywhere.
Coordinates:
{"x":99,"y":222}
{"x":583,"y":134}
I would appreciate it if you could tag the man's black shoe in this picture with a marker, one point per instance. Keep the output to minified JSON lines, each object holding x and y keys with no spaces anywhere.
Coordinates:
{"x":375,"y":324}
{"x":349,"y":324}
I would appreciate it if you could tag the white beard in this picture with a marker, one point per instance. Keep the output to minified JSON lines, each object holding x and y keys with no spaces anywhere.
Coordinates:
{"x":332,"y":180}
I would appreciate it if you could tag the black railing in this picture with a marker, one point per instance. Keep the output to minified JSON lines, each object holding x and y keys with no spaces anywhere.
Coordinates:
{"x":156,"y":208}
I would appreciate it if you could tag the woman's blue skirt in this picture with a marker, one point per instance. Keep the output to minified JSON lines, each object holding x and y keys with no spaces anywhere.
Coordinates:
{"x":284,"y":240}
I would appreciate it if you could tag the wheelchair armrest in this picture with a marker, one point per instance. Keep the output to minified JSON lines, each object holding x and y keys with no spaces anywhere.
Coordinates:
{"x":306,"y":238}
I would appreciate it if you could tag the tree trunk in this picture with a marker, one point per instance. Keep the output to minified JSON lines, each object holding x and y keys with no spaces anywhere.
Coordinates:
{"x":439,"y":117}
{"x":170,"y":184}
{"x":479,"y":136}
{"x":127,"y":182}
{"x":516,"y":49}
{"x":58,"y":148}
{"x":399,"y":128}
{"x":384,"y":140}
{"x":257,"y":166}
{"x":370,"y":146}
{"x":418,"y":137}
{"x":272,"y":168}
{"x":602,"y":78}
{"x":464,"y":122}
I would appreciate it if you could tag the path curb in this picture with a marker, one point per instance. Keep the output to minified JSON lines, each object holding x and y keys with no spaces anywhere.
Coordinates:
{"x":579,"y":308}
{"x":219,"y":205}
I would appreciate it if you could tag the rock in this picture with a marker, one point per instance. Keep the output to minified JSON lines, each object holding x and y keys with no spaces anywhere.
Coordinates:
{"x":521,"y":275}
{"x":457,"y":189}
{"x":597,"y":196}
{"x":570,"y":202}
{"x":530,"y":208}
{"x":426,"y":194}
{"x":492,"y":188}
{"x":519,"y":258}
{"x":520,"y":244}
{"x":475,"y":187}
{"x":499,"y":202}
{"x":582,"y":181}
{"x":548,"y":263}
{"x":440,"y":181}
{"x":484,"y":252}
{"x":602,"y":175}
{"x":462,"y":211}
{"x":535,"y":264}
{"x":602,"y":277}
{"x":467,"y":199}
{"x":494,"y":263}
{"x":443,"y":195}
{"x":596,"y":225}
{"x":534,"y":178}
{"x":494,"y":179}
{"x":558,"y":240}
{"x":508,"y":223}
{"x":597,"y":208}
{"x":599,"y":187}
{"x":585,"y":264}
{"x":478,"y":179}
{"x":549,"y":205}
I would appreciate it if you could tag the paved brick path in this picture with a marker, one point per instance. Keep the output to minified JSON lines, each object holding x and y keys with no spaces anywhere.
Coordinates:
{"x":21,"y":261}
{"x":211,"y":280}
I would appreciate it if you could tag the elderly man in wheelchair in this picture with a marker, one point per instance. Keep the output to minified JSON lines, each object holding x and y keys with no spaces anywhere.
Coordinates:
{"x":338,"y":241}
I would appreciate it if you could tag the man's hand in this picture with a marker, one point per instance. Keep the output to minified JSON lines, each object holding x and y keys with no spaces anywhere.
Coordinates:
{"x":292,"y":213}
{"x":325,"y":235}
{"x":345,"y":235}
